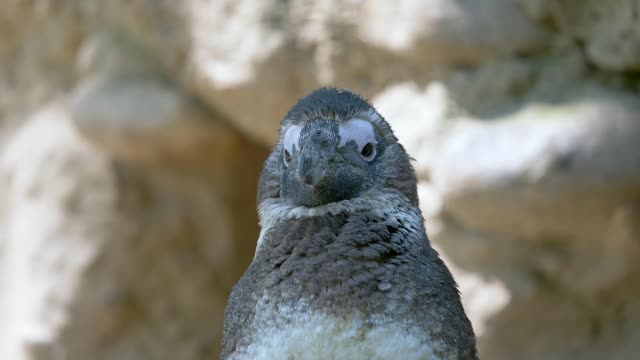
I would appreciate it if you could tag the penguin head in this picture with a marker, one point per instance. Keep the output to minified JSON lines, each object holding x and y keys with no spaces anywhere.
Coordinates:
{"x":335,"y":146}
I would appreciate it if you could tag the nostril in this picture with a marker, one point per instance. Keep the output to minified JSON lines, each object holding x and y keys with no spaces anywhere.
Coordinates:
{"x":307,"y":179}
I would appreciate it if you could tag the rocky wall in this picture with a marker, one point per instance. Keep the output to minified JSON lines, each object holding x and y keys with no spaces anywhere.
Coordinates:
{"x":133,"y":133}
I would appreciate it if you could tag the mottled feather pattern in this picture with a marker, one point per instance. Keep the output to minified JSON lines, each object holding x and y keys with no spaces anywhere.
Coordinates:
{"x":356,"y":261}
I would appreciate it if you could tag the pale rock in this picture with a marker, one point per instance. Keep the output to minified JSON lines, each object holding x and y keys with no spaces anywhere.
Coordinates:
{"x":418,"y":118}
{"x":104,"y":260}
{"x":521,"y":115}
{"x":482,"y":298}
{"x":220,"y":51}
{"x":146,"y":119}
{"x":445,"y":31}
{"x":270,"y":54}
{"x":580,"y":143}
{"x":52,"y":227}
{"x":580,"y":163}
{"x":126,"y":104}
{"x":489,"y":89}
{"x":430,"y":200}
{"x":607,"y":29}
{"x":38,"y":41}
{"x":554,"y":325}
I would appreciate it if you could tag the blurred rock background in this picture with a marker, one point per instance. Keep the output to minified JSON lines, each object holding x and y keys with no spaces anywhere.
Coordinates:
{"x":132,"y":134}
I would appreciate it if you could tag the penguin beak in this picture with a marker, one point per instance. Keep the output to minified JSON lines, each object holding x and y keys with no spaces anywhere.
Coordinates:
{"x":315,"y":158}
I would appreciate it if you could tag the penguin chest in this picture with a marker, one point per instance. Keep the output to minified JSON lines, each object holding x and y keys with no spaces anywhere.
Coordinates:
{"x":321,"y":336}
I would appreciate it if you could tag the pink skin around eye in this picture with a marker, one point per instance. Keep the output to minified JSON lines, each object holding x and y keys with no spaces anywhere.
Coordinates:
{"x":291,"y":136}
{"x":360,"y":131}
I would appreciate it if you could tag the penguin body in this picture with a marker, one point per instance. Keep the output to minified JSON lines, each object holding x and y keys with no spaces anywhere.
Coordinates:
{"x":343,"y":266}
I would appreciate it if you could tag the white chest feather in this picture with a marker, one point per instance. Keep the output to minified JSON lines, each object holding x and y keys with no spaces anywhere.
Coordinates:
{"x":317,"y":336}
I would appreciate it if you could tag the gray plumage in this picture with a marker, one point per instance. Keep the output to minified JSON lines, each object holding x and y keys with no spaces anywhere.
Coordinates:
{"x":343,"y":267}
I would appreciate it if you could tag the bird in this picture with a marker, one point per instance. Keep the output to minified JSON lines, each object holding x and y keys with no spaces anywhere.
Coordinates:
{"x":343,"y":267}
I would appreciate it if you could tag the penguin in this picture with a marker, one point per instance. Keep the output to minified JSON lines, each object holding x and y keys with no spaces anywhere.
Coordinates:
{"x":343,"y":267}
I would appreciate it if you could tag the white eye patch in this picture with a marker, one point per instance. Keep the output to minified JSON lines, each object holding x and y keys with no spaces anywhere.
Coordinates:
{"x":362,"y":132}
{"x":290,"y":140}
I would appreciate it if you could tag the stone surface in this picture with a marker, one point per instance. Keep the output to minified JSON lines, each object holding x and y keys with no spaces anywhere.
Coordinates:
{"x":450,"y":31}
{"x":608,"y":30}
{"x":54,"y":228}
{"x":148,"y":120}
{"x":132,"y":134}
{"x":408,"y":108}
{"x":570,"y":152}
{"x":143,"y":258}
{"x":285,"y":50}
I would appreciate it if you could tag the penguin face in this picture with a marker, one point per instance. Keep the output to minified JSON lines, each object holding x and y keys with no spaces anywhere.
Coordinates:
{"x":324,"y":160}
{"x":334,"y":146}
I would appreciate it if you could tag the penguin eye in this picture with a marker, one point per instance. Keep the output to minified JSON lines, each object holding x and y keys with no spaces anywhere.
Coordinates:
{"x":287,"y":156}
{"x":363,"y":134}
{"x":291,"y":136}
{"x":368,"y":152}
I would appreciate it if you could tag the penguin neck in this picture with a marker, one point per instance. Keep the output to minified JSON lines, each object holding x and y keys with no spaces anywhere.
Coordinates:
{"x":336,"y":257}
{"x":372,"y":203}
